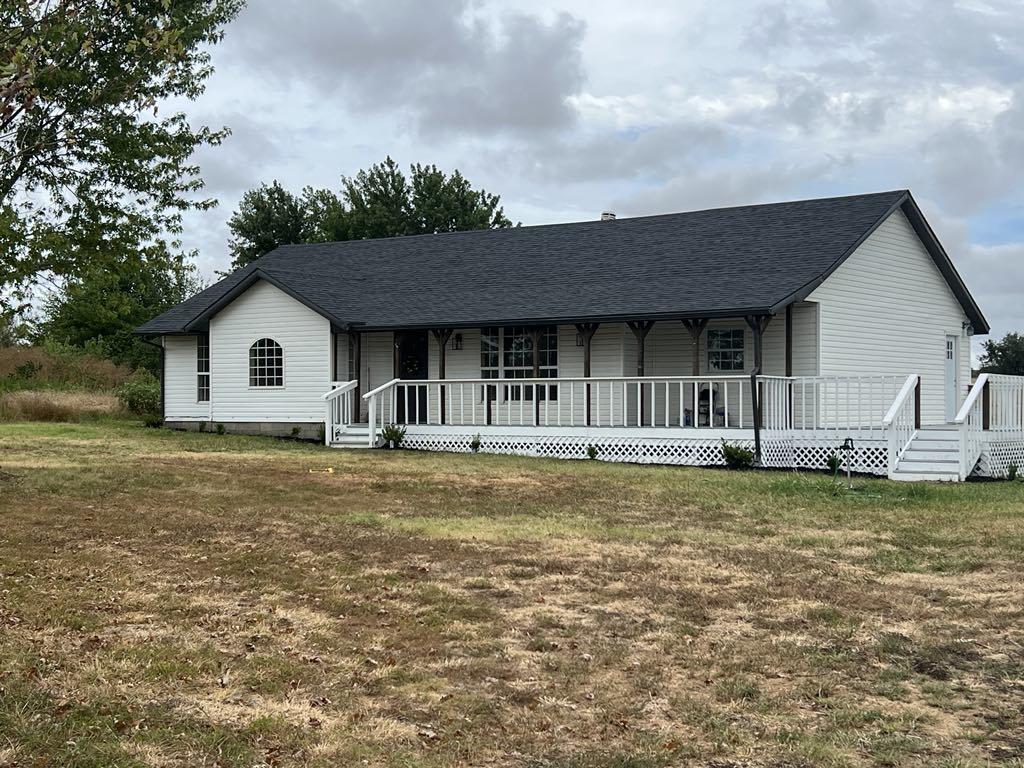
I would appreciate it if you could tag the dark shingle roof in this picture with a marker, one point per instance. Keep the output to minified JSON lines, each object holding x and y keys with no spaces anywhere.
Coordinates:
{"x":728,"y":261}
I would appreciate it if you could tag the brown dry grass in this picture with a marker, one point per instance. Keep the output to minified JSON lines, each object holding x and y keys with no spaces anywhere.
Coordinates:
{"x":186,"y":599}
{"x":52,"y":405}
{"x":71,"y":370}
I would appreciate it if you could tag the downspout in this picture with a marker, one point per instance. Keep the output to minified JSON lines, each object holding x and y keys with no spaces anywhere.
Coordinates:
{"x":163,"y":377}
{"x":757,"y":324}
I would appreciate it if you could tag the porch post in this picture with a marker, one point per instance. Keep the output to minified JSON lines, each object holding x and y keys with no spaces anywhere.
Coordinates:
{"x":356,"y":340}
{"x":640,"y":329}
{"x":535,"y":334}
{"x":442,"y":335}
{"x":586,"y":330}
{"x":696,"y":328}
{"x":757,"y":324}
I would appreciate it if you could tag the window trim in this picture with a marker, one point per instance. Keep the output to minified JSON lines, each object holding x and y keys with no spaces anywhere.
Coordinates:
{"x":262,"y":387}
{"x":742,"y":349}
{"x":510,"y":391}
{"x":202,"y":340}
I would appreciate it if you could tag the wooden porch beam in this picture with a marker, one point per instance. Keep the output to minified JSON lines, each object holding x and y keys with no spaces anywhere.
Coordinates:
{"x":789,"y":339}
{"x":640,"y":329}
{"x":356,"y":340}
{"x":757,"y":324}
{"x":586,"y":331}
{"x":441,"y":335}
{"x":696,"y":328}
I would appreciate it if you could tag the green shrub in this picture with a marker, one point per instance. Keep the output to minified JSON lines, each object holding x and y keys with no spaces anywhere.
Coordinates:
{"x":591,"y":451}
{"x":834,"y":464}
{"x":140,"y":394}
{"x":220,"y":429}
{"x":1011,"y":472}
{"x":736,"y":456}
{"x":474,"y":444}
{"x":392,"y":434}
{"x":153,"y":422}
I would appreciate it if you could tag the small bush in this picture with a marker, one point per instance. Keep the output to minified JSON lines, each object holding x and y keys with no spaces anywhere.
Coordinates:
{"x":392,"y":433}
{"x":296,"y":431}
{"x":140,"y":394}
{"x":1011,"y":472}
{"x":833,"y":463}
{"x":591,"y":452}
{"x":153,"y":422}
{"x":474,"y":444}
{"x":220,"y":429}
{"x":736,"y":456}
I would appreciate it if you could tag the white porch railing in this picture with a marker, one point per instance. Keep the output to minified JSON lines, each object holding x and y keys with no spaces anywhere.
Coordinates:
{"x":847,"y":405}
{"x":970,"y":420}
{"x":616,"y":401}
{"x":901,"y":421}
{"x":341,"y":408}
{"x":1005,"y":404}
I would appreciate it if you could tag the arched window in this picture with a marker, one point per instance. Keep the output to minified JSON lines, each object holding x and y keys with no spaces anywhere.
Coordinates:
{"x":266,"y":364}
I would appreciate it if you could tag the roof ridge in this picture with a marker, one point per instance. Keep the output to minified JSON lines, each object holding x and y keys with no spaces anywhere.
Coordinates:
{"x":644,"y":217}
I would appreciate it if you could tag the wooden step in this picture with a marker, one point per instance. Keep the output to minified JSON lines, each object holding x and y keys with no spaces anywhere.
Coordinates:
{"x":918,"y":476}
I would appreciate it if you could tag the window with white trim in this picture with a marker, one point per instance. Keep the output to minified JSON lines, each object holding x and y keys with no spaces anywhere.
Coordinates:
{"x":507,"y":353}
{"x":725,"y":350}
{"x":203,"y":368}
{"x":266,"y":364}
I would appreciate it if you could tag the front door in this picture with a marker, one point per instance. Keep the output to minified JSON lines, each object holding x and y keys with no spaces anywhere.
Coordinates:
{"x":952,"y":385}
{"x":412,"y":366}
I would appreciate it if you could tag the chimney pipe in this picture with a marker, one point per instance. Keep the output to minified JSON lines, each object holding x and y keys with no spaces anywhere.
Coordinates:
{"x":607,"y":216}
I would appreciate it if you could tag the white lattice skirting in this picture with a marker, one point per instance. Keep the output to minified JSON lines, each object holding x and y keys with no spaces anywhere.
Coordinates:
{"x":999,"y":454}
{"x":807,"y":451}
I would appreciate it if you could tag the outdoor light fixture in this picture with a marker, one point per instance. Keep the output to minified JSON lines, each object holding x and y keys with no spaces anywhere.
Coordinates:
{"x":847,"y":448}
{"x":968,"y":328}
{"x":579,"y":339}
{"x":457,"y":341}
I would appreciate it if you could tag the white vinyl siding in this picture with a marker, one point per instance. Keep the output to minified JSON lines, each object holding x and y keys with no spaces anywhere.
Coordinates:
{"x":264,"y":311}
{"x":180,"y":380}
{"x":887,"y":310}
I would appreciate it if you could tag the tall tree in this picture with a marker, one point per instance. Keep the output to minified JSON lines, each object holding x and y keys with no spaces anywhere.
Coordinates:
{"x":380,"y":201}
{"x":90,"y":171}
{"x":99,"y":309}
{"x":1004,"y":356}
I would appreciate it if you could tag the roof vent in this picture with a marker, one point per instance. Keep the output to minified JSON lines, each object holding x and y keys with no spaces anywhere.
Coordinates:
{"x":607,"y":216}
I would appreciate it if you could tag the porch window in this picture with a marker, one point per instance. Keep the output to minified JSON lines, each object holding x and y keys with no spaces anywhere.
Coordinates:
{"x":725,"y":350}
{"x":266,"y":364}
{"x":203,"y":368}
{"x":507,"y":353}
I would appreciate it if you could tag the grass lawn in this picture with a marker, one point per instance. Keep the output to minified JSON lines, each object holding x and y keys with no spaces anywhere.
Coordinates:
{"x":196,"y":599}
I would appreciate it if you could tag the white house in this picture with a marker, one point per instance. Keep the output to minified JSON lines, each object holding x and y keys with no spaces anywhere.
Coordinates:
{"x":787,"y":327}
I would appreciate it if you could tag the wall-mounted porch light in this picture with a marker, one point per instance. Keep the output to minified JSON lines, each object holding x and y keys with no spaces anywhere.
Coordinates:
{"x":579,"y":339}
{"x":968,"y":328}
{"x":457,"y":341}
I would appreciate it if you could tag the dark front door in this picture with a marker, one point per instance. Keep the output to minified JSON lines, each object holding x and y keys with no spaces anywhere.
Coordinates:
{"x":412,"y":366}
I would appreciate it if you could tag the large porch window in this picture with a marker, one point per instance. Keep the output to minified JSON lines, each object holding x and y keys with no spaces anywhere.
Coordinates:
{"x":507,"y":353}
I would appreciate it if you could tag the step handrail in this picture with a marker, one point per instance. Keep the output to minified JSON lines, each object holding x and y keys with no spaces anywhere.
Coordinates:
{"x":380,"y":389}
{"x":972,"y":397}
{"x":348,"y":386}
{"x":901,"y":398}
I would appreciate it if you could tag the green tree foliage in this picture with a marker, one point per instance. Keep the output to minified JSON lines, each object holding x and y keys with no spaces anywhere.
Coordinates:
{"x":91,"y":171}
{"x":1004,"y":356}
{"x":380,"y":201}
{"x":97,"y":310}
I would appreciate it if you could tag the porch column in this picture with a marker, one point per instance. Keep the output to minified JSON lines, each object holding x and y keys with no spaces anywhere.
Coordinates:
{"x":757,"y":324}
{"x":696,"y":328}
{"x":356,"y":340}
{"x":587,"y":331}
{"x":442,"y":335}
{"x":535,"y":334}
{"x":640,"y":329}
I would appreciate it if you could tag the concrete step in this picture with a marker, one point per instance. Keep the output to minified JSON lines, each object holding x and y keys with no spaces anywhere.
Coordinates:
{"x":916,"y":476}
{"x":919,"y":452}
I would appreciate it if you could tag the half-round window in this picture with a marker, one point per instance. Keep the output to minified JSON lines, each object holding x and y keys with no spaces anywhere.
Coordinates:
{"x":266,"y":364}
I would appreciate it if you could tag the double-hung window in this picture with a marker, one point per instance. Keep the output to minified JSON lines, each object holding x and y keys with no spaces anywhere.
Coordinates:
{"x":507,"y":353}
{"x":203,"y":368}
{"x":725,"y":350}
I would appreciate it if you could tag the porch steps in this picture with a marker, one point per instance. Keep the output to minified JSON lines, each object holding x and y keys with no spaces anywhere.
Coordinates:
{"x":933,"y":455}
{"x":355,"y":436}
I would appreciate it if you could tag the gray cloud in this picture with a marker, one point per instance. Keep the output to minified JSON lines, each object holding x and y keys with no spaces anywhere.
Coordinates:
{"x":435,"y":62}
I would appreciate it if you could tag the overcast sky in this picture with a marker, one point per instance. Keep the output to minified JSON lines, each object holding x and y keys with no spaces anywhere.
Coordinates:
{"x":567,"y":108}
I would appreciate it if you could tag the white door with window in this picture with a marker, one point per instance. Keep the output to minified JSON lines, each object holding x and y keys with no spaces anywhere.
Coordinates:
{"x":952,"y":385}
